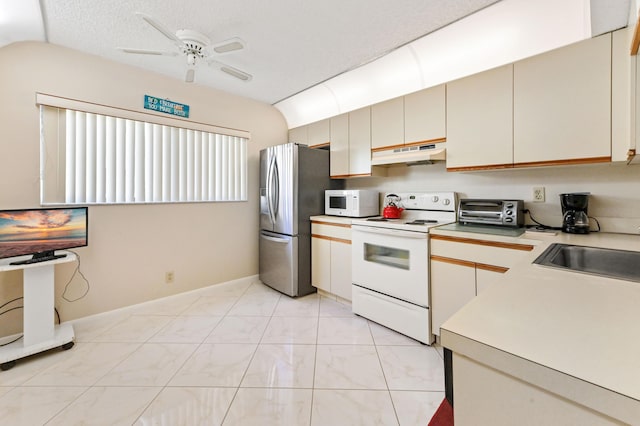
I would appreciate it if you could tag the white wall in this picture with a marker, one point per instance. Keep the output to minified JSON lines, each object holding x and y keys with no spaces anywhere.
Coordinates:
{"x":130,"y":246}
{"x":615,"y":189}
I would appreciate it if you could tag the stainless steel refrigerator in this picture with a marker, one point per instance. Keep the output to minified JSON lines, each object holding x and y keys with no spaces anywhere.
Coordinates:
{"x":293,"y":179}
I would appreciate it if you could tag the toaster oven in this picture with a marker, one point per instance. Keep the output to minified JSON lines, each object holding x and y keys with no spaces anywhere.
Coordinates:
{"x":508,"y":213}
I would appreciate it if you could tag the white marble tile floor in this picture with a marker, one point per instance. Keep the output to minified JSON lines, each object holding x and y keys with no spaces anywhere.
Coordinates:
{"x":231,"y":354}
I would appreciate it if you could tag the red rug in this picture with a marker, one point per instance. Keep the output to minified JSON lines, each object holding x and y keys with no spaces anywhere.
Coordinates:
{"x":443,"y":415}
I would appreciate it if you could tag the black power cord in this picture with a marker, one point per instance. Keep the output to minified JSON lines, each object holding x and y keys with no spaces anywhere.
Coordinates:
{"x":539,"y":226}
{"x":76,"y":271}
{"x":7,"y":311}
{"x":542,"y":227}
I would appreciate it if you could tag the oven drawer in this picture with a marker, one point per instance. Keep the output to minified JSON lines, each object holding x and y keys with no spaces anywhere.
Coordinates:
{"x":403,"y":317}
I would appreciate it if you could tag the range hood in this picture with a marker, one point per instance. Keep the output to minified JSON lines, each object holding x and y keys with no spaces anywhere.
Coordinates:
{"x":410,"y":155}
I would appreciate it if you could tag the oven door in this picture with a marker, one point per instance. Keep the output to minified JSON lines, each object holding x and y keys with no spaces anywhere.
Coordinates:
{"x":392,"y":262}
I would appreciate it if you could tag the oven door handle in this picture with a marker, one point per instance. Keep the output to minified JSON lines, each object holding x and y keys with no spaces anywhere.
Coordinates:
{"x":392,"y":232}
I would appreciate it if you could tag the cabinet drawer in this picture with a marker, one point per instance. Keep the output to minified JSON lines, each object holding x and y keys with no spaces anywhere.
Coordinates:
{"x":331,"y":231}
{"x":479,"y":251}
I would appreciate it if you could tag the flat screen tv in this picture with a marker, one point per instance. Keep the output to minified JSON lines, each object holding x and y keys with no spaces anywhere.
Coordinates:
{"x":40,"y":232}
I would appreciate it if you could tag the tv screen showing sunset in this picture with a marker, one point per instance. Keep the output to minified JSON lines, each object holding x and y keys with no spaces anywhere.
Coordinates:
{"x":39,"y":230}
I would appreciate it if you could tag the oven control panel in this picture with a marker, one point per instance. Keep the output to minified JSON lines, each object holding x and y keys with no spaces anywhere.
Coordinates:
{"x":443,"y":201}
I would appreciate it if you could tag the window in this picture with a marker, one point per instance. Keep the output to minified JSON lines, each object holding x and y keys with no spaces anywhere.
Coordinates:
{"x":89,"y":157}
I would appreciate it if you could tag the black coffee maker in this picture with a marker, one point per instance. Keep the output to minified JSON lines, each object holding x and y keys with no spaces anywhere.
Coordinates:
{"x":574,"y":212}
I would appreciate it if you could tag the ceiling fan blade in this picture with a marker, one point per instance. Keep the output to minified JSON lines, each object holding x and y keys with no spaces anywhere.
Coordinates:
{"x":164,"y":30}
{"x":146,"y":52}
{"x":228,"y":46}
{"x":190,"y":76}
{"x":235,"y":72}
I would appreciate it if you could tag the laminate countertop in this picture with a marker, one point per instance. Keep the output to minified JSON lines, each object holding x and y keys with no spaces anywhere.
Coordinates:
{"x":574,"y":334}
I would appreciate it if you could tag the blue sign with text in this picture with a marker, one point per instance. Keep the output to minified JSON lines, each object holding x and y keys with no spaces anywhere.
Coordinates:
{"x":166,"y":106}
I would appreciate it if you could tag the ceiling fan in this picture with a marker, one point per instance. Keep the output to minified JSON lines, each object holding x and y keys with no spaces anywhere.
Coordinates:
{"x":194,"y":45}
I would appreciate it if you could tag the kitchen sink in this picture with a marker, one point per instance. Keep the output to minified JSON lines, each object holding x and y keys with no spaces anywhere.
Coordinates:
{"x":621,"y":264}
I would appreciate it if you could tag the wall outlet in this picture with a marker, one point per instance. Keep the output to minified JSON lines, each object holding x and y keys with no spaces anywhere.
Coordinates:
{"x":538,"y":194}
{"x":168,"y":277}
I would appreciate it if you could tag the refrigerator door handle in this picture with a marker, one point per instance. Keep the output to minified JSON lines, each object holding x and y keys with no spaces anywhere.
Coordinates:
{"x":275,"y":239}
{"x":270,"y":191}
{"x":276,"y":187}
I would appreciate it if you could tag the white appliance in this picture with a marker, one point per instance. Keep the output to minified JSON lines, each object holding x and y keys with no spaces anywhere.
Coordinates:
{"x":351,"y":202}
{"x":390,"y":277}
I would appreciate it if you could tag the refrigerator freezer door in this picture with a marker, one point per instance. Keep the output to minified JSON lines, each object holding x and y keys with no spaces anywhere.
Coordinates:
{"x":279,"y":189}
{"x":279,"y":262}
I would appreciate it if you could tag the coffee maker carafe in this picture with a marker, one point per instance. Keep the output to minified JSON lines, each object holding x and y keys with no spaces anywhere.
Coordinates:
{"x":574,"y":212}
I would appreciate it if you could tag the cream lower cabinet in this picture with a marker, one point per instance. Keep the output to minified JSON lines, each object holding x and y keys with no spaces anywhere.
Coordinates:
{"x":331,"y":258}
{"x":461,"y":268}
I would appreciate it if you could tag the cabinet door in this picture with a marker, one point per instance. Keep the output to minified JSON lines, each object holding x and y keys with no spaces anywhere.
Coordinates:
{"x":486,"y":277}
{"x":387,"y":123}
{"x":480,"y":120}
{"x":321,"y":263}
{"x":453,"y":285}
{"x":562,"y":103}
{"x":339,"y":148}
{"x":425,"y":115}
{"x":360,"y":142}
{"x":298,"y":135}
{"x":341,"y":269}
{"x":319,"y":133}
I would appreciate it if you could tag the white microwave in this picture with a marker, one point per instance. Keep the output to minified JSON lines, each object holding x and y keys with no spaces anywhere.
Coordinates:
{"x":351,"y":202}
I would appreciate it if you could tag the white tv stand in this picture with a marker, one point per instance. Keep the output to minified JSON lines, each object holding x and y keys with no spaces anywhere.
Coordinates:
{"x":40,"y":332}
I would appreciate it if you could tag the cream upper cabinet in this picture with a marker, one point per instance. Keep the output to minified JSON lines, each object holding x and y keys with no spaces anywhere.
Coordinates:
{"x":562,"y":104}
{"x":360,"y":142}
{"x":387,"y":124}
{"x":339,"y":148}
{"x":319,"y":133}
{"x":299,"y":135}
{"x":623,"y":86}
{"x":480,"y":120}
{"x":425,"y":115}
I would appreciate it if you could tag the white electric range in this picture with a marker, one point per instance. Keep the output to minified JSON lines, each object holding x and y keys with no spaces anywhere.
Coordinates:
{"x":390,"y":276}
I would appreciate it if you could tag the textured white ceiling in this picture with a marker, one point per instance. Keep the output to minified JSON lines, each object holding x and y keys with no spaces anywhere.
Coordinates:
{"x":291,"y":44}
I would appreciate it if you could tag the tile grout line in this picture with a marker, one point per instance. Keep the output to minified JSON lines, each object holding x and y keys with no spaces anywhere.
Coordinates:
{"x":375,"y":345}
{"x":235,"y":395}
{"x":163,"y":388}
{"x":315,"y":363}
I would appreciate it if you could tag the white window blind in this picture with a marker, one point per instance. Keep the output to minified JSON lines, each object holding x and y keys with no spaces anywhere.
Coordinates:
{"x":94,"y":158}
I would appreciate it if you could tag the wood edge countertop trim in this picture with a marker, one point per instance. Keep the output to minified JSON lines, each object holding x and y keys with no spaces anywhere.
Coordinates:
{"x":324,"y":237}
{"x":479,"y":168}
{"x":320,"y":145}
{"x":512,"y":246}
{"x":350,"y":176}
{"x":404,"y":145}
{"x":458,"y":262}
{"x":631,"y":154}
{"x":469,"y":264}
{"x":591,"y":160}
{"x":322,"y":222}
{"x":635,"y":41}
{"x":492,"y":268}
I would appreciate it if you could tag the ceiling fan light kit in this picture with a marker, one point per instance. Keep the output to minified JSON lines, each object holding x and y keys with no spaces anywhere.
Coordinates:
{"x":193,"y":45}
